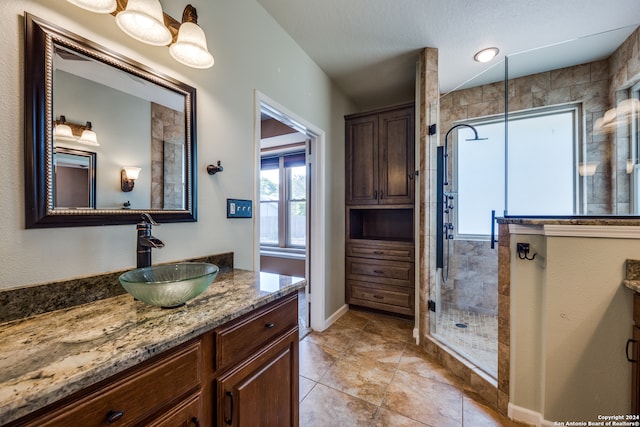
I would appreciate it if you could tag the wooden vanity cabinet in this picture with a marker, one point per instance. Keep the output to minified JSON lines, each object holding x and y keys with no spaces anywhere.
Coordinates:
{"x":634,"y":354}
{"x":163,"y":391}
{"x":244,"y":373}
{"x":257,"y":383}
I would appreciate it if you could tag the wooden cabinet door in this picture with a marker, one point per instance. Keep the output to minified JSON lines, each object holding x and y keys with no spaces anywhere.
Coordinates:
{"x":361,"y":159}
{"x":264,"y":391}
{"x":635,"y":381}
{"x":397,"y":161}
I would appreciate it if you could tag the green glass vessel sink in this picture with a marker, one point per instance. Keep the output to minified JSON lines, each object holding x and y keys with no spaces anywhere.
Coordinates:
{"x":170,"y":285}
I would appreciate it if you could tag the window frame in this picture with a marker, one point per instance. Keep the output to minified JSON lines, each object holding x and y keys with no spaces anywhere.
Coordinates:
{"x":578,"y":152}
{"x":284,"y":192}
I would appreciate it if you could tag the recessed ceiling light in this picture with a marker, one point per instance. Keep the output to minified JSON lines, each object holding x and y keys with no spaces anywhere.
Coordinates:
{"x":486,"y":55}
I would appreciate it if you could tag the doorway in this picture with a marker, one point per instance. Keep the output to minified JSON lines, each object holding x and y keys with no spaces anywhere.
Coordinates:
{"x":289,"y":227}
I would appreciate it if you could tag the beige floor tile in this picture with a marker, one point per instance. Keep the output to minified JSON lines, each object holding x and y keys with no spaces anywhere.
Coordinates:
{"x":416,"y":361}
{"x":305,"y":387}
{"x":326,"y":407}
{"x":314,"y":360}
{"x":352,"y":319}
{"x":398,"y":329}
{"x":387,"y":418}
{"x":336,"y":340}
{"x":377,"y":347}
{"x":360,"y":377}
{"x":424,"y":400}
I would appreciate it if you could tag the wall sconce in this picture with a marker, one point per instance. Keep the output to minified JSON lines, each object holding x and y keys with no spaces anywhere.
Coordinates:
{"x":64,"y":131}
{"x":128,"y":176}
{"x":145,"y":21}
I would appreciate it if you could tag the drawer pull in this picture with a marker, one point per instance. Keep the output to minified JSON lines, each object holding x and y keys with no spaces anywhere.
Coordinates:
{"x":114,"y":416}
{"x":627,"y":351}
{"x":269,"y":325}
{"x":229,"y":420}
{"x":378,"y":272}
{"x":378,"y":297}
{"x":195,"y":421}
{"x":378,"y":252}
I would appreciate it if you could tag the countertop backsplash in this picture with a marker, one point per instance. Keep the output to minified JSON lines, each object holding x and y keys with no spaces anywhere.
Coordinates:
{"x":27,"y":301}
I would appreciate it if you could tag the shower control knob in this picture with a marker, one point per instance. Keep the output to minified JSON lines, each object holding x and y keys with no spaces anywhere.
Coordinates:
{"x":450,"y":206}
{"x":446,"y":211}
{"x":450,"y":197}
{"x":450,"y":226}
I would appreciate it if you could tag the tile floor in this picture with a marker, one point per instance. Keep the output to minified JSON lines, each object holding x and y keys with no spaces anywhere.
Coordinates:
{"x":478,"y":341}
{"x":365,"y":370}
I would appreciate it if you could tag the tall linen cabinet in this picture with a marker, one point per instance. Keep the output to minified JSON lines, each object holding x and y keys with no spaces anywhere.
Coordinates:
{"x":380,"y":193}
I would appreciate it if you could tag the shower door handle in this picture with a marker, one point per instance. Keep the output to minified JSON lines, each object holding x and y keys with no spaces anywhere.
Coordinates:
{"x":493,"y":229}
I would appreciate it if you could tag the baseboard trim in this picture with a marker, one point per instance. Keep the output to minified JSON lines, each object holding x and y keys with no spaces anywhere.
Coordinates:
{"x":335,"y":316}
{"x":527,"y":416}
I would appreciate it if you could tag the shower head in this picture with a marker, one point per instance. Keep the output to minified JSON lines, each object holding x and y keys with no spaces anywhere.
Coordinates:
{"x":476,"y":139}
{"x":446,"y":145}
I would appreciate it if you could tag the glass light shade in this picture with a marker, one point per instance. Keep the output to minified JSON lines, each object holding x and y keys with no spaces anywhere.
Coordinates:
{"x":143,"y":20}
{"x":191,"y":47}
{"x":588,"y":168}
{"x":97,"y":6}
{"x":88,"y":137}
{"x":132,"y":172}
{"x":62,"y":132}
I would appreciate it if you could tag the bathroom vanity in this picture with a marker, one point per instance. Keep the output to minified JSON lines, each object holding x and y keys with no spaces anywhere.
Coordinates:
{"x":230,"y":357}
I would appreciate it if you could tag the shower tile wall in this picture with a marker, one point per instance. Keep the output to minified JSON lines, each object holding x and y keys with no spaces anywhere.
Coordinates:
{"x":473,"y":278}
{"x":167,"y":157}
{"x":586,"y":83}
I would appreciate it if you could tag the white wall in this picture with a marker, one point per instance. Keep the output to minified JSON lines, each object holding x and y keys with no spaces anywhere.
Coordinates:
{"x":251,"y":52}
{"x":571,"y":318}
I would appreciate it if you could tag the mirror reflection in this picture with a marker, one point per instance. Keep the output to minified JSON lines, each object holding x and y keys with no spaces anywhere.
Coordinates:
{"x":74,"y":178}
{"x":138,"y":123}
{"x":82,"y":97}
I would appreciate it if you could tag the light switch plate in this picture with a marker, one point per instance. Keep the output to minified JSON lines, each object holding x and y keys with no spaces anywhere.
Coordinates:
{"x":237,"y":208}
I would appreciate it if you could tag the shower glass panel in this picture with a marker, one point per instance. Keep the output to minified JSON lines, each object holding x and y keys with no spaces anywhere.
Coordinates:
{"x":465,"y":288}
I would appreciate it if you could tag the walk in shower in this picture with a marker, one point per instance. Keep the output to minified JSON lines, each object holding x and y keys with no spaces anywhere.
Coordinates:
{"x":466,"y":297}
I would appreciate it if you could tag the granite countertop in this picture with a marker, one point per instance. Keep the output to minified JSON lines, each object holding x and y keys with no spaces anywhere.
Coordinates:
{"x":576,"y":220}
{"x":632,"y":277}
{"x":50,"y":356}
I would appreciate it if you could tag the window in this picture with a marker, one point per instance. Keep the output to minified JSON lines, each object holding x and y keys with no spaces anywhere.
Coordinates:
{"x":283,"y":201}
{"x":535,"y":173}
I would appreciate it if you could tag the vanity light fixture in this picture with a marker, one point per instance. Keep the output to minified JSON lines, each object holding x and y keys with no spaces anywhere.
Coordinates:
{"x":143,"y":20}
{"x":64,"y":131}
{"x":97,"y":6}
{"x":486,"y":55}
{"x":128,"y":176}
{"x":190,"y":47}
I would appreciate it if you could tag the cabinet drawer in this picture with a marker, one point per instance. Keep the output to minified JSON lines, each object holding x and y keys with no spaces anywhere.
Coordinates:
{"x":387,"y":298}
{"x":241,"y":338}
{"x":186,"y":413}
{"x":135,"y":397}
{"x":380,"y":271}
{"x":380,"y":251}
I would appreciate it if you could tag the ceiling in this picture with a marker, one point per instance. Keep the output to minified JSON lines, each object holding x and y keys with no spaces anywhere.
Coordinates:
{"x":369,"y":48}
